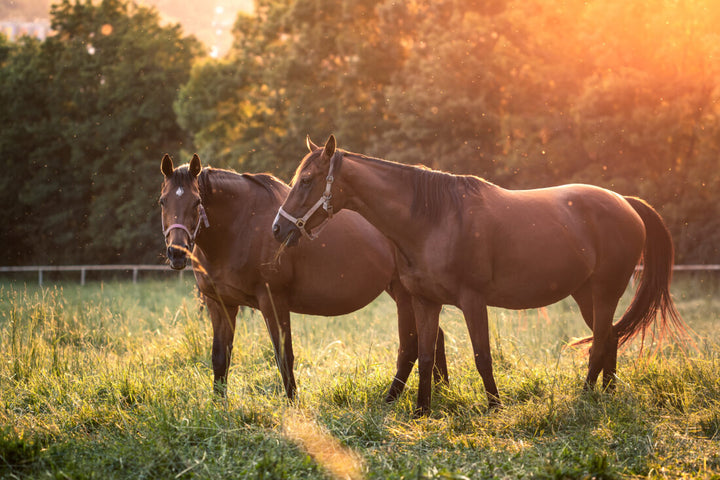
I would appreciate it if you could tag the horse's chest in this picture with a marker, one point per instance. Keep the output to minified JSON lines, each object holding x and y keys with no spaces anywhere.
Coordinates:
{"x":226,"y":287}
{"x":425,"y":282}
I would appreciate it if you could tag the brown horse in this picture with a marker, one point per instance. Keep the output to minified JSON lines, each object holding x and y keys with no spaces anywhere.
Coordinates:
{"x":224,"y":219}
{"x":466,"y":242}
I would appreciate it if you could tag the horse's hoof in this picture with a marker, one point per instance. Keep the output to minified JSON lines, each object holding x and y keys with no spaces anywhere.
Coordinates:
{"x":421,"y":412}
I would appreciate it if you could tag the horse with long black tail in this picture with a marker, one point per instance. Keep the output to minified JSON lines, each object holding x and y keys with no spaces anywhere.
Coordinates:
{"x":466,"y":242}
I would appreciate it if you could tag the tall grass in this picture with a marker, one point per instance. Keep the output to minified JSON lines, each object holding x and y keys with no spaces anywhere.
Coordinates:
{"x":113,"y":380}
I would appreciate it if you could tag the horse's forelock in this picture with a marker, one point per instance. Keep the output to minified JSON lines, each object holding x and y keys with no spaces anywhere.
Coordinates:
{"x":180,"y":177}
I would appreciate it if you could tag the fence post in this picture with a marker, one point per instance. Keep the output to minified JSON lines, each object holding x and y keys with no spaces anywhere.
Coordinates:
{"x":40,"y":277}
{"x":135,"y":270}
{"x":82,"y":276}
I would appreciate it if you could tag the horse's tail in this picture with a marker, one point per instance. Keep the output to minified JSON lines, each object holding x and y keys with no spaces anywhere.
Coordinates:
{"x":653,"y":293}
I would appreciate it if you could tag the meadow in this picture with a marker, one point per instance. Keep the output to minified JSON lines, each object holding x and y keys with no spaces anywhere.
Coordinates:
{"x":113,"y":380}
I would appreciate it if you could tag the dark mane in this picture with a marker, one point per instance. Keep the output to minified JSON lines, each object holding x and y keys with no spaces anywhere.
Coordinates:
{"x":433,"y":189}
{"x":212,"y":180}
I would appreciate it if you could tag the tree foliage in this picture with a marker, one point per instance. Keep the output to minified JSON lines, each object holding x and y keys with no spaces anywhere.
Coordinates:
{"x":87,"y":113}
{"x":527,"y":93}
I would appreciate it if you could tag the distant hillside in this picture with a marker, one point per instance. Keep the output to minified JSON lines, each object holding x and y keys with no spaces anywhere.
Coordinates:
{"x":211,"y":22}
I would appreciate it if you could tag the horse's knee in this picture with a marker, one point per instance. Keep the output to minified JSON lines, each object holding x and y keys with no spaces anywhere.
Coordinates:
{"x":426,"y":362}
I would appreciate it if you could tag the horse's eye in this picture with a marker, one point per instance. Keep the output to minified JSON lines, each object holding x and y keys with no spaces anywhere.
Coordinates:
{"x":162,"y":202}
{"x":305,"y":181}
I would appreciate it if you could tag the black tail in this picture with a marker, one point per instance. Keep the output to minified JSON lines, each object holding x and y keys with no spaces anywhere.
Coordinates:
{"x":653,"y":293}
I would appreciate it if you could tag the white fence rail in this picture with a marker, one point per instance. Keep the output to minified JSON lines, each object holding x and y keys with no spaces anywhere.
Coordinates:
{"x":83,"y":269}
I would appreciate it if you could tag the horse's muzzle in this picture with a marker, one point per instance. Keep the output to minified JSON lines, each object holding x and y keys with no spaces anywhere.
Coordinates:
{"x":177,"y":255}
{"x":285,"y":232}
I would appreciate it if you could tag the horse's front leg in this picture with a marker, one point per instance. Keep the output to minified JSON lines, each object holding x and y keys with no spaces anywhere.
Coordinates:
{"x":408,"y":344}
{"x":223,"y":323}
{"x":427,"y":319}
{"x":276,"y":313}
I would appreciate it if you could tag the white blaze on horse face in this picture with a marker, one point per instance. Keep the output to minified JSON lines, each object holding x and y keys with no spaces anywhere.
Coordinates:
{"x":179,"y":192}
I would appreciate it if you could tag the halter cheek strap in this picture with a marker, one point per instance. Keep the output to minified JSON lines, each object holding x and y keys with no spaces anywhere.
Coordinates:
{"x":323,"y":201}
{"x":202,"y":219}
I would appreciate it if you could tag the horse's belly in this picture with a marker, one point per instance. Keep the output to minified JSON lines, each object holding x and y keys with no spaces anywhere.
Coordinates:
{"x":532,"y":297}
{"x":336,"y":286}
{"x":338,"y":298}
{"x":536,"y":285}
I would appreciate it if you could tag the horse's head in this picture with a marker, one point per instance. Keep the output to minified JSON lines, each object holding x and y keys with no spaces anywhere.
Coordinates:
{"x":182,"y":212}
{"x":312,"y":188}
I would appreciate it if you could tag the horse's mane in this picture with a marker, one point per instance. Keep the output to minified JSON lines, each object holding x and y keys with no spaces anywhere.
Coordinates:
{"x":212,"y":180}
{"x":433,"y":190}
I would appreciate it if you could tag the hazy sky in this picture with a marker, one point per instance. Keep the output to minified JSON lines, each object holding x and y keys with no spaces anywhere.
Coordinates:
{"x":210,"y":21}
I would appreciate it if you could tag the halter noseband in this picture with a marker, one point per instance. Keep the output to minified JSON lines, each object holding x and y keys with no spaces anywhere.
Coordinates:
{"x":202,"y":219}
{"x":323,"y":201}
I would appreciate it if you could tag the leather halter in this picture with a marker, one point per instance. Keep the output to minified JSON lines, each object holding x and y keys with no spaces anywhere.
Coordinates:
{"x":323,"y":201}
{"x":202,"y":219}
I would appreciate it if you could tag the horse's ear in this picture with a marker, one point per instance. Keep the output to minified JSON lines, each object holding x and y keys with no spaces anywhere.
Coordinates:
{"x":166,"y":166}
{"x":330,"y":146}
{"x":310,"y":145}
{"x":195,"y":166}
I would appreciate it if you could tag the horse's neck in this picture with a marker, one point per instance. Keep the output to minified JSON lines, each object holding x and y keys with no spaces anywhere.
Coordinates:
{"x":382,"y":192}
{"x":226,"y":208}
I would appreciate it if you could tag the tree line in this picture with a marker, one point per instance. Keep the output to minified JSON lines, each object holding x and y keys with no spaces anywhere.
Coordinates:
{"x":525,"y":93}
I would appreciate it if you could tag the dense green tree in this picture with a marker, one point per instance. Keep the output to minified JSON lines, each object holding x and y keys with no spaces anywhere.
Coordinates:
{"x":296,"y":68}
{"x":24,"y":129}
{"x":536,"y":93}
{"x":527,"y":93}
{"x":647,"y":114}
{"x":444,"y":105}
{"x":101,"y":92}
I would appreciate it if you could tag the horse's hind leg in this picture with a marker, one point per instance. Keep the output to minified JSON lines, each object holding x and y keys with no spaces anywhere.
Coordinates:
{"x":610,"y":364}
{"x":583,"y":298}
{"x":440,"y":373}
{"x":277,"y":319}
{"x":223,"y":323}
{"x":603,"y":353}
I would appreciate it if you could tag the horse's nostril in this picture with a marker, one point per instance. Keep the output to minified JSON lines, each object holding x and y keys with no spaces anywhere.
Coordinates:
{"x":174,"y":251}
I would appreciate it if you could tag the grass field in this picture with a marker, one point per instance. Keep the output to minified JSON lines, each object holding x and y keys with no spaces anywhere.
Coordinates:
{"x":113,"y":380}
